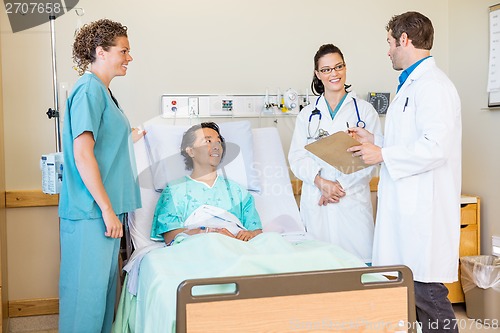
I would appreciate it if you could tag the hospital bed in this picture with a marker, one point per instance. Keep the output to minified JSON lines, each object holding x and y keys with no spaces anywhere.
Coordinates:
{"x":273,"y":282}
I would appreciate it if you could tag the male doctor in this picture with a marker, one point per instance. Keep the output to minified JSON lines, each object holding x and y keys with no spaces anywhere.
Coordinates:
{"x":418,"y":217}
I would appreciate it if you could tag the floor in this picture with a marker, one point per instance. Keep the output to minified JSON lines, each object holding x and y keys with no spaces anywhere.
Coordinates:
{"x":48,"y":324}
{"x":467,"y":325}
{"x":34,"y":324}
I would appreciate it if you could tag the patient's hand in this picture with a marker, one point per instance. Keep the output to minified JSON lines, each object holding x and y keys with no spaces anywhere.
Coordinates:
{"x":246,"y":235}
{"x":222,"y":231}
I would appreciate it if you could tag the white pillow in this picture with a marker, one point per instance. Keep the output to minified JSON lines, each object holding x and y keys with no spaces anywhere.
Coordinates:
{"x":163,"y":143}
{"x":140,"y":220}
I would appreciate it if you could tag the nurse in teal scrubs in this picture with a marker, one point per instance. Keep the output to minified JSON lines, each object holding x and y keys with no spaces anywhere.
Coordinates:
{"x":99,"y":181}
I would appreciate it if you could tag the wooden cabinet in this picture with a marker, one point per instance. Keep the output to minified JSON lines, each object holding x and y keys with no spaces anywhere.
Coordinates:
{"x":469,"y":240}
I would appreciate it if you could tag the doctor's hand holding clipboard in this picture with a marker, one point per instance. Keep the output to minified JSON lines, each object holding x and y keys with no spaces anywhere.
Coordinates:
{"x":368,"y":152}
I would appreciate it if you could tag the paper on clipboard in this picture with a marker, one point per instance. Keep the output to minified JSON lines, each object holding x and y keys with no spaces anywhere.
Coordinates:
{"x":333,"y":150}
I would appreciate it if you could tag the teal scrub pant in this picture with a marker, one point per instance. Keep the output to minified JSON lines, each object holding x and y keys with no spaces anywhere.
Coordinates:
{"x":88,"y":277}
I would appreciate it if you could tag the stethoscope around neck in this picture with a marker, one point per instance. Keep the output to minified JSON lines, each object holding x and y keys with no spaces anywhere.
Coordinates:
{"x":319,"y":132}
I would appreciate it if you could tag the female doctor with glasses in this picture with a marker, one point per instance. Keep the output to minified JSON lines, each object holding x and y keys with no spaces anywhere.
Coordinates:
{"x":334,"y":206}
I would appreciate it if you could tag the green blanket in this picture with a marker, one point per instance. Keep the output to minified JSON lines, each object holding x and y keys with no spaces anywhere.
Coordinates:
{"x":214,"y":255}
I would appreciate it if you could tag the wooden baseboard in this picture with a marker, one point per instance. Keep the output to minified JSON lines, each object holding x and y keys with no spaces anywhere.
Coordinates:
{"x":33,"y":307}
{"x":30,"y":198}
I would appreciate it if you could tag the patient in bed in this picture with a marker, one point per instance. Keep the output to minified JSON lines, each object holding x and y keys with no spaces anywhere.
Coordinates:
{"x":204,"y":201}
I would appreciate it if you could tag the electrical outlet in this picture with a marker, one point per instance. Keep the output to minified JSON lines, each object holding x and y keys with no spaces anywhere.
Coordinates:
{"x":193,"y":106}
{"x":249,"y":105}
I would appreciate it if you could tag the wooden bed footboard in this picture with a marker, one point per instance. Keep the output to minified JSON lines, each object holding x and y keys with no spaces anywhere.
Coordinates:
{"x":335,"y":300}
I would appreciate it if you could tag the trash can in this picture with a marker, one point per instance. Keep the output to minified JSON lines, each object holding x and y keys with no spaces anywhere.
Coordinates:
{"x":481,"y":285}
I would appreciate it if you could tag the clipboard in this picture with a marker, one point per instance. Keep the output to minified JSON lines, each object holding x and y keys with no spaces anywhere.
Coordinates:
{"x":333,"y":150}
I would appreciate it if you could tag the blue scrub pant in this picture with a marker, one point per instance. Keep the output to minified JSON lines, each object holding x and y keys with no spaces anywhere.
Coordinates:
{"x":88,"y":277}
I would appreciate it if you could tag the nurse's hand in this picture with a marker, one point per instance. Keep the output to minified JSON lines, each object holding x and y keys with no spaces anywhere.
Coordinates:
{"x":137,"y":134}
{"x":361,"y":134}
{"x":368,"y":152}
{"x":114,"y":228}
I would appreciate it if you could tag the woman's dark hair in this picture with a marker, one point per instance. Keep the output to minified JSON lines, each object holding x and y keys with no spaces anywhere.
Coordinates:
{"x":98,"y":33}
{"x":189,"y":137}
{"x":418,"y":27}
{"x":317,"y":86}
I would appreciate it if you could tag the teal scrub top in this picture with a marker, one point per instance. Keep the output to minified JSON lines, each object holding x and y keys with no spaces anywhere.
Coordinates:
{"x":91,"y":108}
{"x":183,"y":196}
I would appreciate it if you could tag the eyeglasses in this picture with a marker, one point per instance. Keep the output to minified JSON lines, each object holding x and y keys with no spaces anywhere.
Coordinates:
{"x":328,"y":70}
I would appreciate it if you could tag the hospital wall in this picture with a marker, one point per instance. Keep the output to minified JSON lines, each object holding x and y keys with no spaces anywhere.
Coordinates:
{"x":469,"y":56}
{"x":227,"y":47}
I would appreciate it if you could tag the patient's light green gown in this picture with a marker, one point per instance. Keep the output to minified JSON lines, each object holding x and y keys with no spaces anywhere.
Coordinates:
{"x":183,"y":196}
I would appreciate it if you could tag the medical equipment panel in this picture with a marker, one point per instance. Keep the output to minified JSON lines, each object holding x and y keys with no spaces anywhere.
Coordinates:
{"x":187,"y":106}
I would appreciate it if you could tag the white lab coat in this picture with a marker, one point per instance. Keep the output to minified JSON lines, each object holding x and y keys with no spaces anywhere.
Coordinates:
{"x":348,"y":223}
{"x":418,"y":213}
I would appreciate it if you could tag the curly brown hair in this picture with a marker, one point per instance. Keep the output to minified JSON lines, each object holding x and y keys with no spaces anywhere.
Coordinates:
{"x":102,"y":33}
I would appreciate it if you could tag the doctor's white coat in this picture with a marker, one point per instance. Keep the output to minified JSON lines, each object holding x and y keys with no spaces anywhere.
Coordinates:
{"x":348,"y":223}
{"x":418,"y":213}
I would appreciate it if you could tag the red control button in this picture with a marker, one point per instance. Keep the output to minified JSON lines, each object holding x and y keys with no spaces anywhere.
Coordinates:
{"x":174,"y":102}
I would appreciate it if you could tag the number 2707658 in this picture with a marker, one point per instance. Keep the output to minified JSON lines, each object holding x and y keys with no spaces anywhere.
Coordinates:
{"x":25,"y":8}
